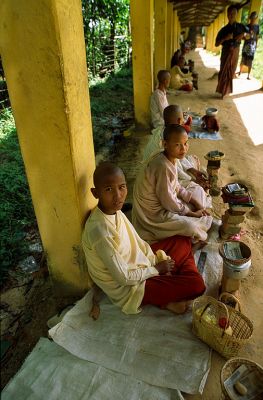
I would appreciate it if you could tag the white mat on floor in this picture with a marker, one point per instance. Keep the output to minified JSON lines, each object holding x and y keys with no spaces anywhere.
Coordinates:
{"x":51,"y":373}
{"x":154,"y":346}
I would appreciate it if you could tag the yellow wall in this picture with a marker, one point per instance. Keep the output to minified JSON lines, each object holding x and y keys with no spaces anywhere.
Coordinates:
{"x":160,"y":10}
{"x":43,"y":53}
{"x":142,"y":59}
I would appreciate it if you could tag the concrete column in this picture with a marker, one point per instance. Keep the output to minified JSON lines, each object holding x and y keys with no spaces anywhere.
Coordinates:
{"x":172,"y":33}
{"x":160,"y":14}
{"x":169,"y":33}
{"x":142,"y":59}
{"x":178,"y":33}
{"x":209,"y":37}
{"x":226,"y":19}
{"x":215,"y":32}
{"x":43,"y":52}
{"x":221,"y":21}
{"x":255,"y":5}
{"x":175,"y":32}
{"x":239,"y":15}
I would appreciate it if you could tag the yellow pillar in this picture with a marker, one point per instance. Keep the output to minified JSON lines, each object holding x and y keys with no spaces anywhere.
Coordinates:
{"x":210,"y":37}
{"x":172,"y":33}
{"x":175,"y":33}
{"x":160,"y":10}
{"x":255,"y":5}
{"x":215,"y":32}
{"x":221,"y":21}
{"x":43,"y":53}
{"x":178,"y":33}
{"x":226,"y":19}
{"x":169,"y":33}
{"x":142,"y":59}
{"x":239,"y":15}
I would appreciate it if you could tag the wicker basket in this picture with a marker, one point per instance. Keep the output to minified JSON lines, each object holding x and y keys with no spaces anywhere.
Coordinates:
{"x":206,"y":314}
{"x":245,"y":251}
{"x":230,"y":367}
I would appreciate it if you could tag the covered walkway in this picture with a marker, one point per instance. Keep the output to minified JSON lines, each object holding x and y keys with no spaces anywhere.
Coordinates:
{"x":58,"y":151}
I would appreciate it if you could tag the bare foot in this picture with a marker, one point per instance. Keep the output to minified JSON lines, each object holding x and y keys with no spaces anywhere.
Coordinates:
{"x":95,"y":312}
{"x":178,"y":308}
{"x":199,"y":245}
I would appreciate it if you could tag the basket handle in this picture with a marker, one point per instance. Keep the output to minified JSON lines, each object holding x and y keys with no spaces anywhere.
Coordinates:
{"x":232,"y":297}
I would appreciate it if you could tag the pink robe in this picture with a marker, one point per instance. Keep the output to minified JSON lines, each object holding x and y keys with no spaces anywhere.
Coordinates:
{"x":160,"y":204}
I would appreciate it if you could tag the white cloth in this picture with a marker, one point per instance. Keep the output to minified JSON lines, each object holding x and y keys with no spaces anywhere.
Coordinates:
{"x":155,"y":346}
{"x":160,"y":203}
{"x":158,"y":103}
{"x":52,"y":373}
{"x":119,"y":261}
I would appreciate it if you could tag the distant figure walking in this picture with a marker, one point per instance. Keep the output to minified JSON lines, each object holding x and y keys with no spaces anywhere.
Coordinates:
{"x":230,"y":38}
{"x":250,"y":43}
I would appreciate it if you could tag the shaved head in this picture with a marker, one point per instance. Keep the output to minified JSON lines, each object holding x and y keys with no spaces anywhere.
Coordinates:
{"x":171,"y":114}
{"x":173,"y":130}
{"x":163,"y":75}
{"x":103,"y":171}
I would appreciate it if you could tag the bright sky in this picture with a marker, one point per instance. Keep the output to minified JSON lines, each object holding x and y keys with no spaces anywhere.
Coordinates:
{"x":249,"y":103}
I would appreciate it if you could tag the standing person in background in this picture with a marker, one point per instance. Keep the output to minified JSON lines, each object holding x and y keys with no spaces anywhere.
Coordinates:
{"x":230,"y":38}
{"x":250,"y":44}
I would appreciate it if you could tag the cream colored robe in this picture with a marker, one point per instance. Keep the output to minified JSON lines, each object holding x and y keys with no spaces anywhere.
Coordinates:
{"x":160,"y":204}
{"x":119,"y":261}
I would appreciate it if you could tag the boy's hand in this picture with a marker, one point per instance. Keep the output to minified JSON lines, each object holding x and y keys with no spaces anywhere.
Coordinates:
{"x":229,"y":36}
{"x":196,"y":204}
{"x":165,"y":266}
{"x":198,"y":213}
{"x":200,"y":178}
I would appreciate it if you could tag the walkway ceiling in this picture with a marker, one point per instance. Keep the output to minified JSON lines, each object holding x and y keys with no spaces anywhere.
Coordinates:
{"x":200,"y":12}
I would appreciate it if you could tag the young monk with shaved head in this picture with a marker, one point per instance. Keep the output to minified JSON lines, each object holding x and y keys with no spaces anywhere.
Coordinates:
{"x":162,"y":207}
{"x":158,"y":99}
{"x":124,"y":266}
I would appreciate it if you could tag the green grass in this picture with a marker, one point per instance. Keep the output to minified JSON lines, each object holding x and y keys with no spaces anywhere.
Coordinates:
{"x":16,"y":210}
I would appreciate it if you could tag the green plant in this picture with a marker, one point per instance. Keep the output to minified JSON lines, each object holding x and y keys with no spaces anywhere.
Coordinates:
{"x":16,"y":210}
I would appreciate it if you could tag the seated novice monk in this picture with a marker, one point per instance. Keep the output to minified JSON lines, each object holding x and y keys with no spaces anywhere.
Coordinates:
{"x":180,"y":80}
{"x":158,"y":98}
{"x":189,"y":166}
{"x":161,"y":206}
{"x":123,"y":265}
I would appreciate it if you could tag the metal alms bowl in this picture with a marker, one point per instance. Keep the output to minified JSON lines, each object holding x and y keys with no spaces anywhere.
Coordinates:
{"x":211,"y":111}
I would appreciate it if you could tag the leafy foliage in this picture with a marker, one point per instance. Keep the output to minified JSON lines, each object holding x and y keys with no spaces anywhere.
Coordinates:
{"x":106,"y":29}
{"x":16,"y":210}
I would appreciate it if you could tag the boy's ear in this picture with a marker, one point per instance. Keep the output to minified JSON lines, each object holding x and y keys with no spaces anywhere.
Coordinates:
{"x":94,"y":192}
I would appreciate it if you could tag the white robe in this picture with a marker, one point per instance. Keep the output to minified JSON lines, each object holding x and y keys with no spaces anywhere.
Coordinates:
{"x":160,"y":203}
{"x":155,"y":146}
{"x":158,"y":103}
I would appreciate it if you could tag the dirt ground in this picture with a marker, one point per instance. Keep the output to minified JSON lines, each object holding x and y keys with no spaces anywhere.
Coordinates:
{"x":243,"y":147}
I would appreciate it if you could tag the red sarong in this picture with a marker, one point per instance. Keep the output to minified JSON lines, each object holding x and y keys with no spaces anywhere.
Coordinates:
{"x":185,"y":283}
{"x":228,"y":64}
